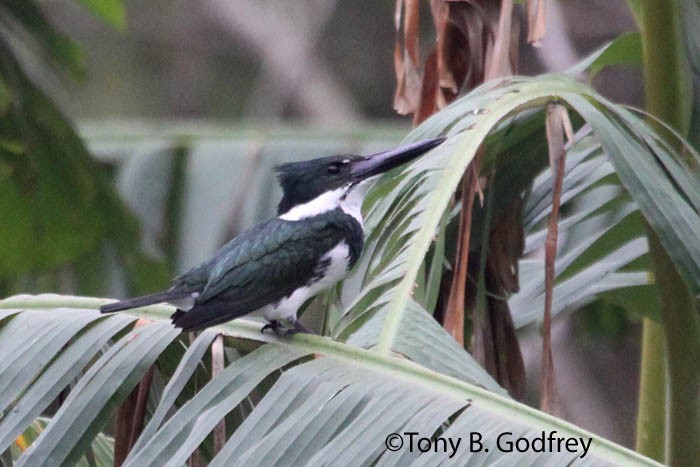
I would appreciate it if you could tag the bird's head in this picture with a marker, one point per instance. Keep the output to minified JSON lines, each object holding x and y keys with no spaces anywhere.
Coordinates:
{"x":303,"y":181}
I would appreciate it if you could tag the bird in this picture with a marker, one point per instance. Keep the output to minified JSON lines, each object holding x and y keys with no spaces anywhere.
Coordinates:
{"x":278,"y":264}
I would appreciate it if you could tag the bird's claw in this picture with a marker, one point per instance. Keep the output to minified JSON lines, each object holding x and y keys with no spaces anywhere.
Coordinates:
{"x":281,"y":331}
{"x":276,"y":327}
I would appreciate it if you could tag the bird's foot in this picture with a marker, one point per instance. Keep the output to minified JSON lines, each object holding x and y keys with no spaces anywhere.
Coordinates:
{"x":276,"y":327}
{"x":281,"y":331}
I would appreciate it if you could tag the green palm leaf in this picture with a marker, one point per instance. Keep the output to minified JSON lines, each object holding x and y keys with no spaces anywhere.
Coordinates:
{"x":320,"y":401}
{"x":408,"y":216}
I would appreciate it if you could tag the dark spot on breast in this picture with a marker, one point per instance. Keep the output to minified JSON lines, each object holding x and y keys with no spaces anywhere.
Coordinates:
{"x":319,"y":270}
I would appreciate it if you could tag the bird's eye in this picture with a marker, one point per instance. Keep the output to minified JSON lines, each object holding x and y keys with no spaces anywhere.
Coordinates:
{"x":333,"y":169}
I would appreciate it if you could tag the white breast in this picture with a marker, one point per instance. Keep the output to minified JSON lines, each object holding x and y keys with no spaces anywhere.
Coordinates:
{"x":349,"y":198}
{"x":335,"y":266}
{"x":323,"y":203}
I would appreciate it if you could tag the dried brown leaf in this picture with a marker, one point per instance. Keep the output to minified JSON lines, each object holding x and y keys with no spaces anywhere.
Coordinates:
{"x":465,"y":46}
{"x":499,"y":63}
{"x":195,"y":460}
{"x":508,"y":359}
{"x":496,"y":335}
{"x":122,"y":428}
{"x":495,"y":344}
{"x":455,"y":310}
{"x":407,"y":58}
{"x":139,"y":414}
{"x":408,"y":88}
{"x":506,"y":244}
{"x":440,"y":12}
{"x":474,"y":39}
{"x":217,"y":366}
{"x":410,"y":25}
{"x":536,"y":21}
{"x":430,"y":90}
{"x":130,"y":418}
{"x":132,"y":412}
{"x":557,"y":123}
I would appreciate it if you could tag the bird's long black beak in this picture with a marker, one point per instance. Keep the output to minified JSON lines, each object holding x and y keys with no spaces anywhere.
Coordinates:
{"x":387,"y":160}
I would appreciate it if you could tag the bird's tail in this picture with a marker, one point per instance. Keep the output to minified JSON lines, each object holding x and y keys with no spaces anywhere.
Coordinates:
{"x":206,"y":315}
{"x":144,"y":300}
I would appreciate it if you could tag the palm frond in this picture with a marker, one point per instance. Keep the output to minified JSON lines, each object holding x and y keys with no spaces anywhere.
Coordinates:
{"x":620,"y":158}
{"x":318,"y":400}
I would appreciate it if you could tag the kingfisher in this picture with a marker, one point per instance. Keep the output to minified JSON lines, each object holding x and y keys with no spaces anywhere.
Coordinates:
{"x":279,"y":264}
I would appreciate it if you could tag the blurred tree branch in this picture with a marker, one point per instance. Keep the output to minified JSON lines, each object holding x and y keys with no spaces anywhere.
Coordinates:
{"x":284,"y":35}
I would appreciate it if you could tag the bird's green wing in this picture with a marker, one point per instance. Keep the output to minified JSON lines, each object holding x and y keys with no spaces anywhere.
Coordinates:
{"x":194,"y":279}
{"x":261,"y":266}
